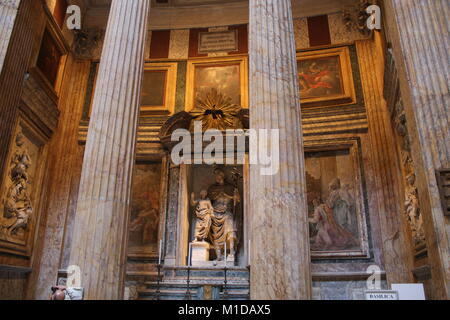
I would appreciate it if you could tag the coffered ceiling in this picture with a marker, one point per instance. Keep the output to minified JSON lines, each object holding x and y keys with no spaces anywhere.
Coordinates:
{"x":180,"y":14}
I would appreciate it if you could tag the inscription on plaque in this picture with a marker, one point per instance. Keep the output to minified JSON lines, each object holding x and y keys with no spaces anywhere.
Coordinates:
{"x":381,"y":295}
{"x":223,"y":41}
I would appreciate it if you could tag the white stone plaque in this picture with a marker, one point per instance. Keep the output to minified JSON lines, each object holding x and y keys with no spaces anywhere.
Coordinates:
{"x":221,"y":41}
{"x":409,"y":291}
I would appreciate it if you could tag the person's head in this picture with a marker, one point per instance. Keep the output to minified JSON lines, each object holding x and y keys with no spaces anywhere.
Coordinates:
{"x":203,"y":194}
{"x":411,"y":178}
{"x":220,"y":176}
{"x":335,"y":184}
{"x":20,"y":140}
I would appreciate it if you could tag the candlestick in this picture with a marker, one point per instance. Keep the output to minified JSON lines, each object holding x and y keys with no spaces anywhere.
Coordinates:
{"x":226,"y":253}
{"x":189,"y":256}
{"x":249,"y":251}
{"x":160,"y":252}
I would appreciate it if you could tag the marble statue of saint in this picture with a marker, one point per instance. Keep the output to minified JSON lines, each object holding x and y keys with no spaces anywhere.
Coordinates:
{"x":224,"y":197}
{"x":203,"y":212}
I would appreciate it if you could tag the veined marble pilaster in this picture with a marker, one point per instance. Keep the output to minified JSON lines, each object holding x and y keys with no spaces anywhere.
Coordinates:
{"x":16,"y":55}
{"x":179,"y":44}
{"x":63,"y":163}
{"x":419,"y":32}
{"x":301,"y":33}
{"x":396,"y":250}
{"x":280,"y":256}
{"x":100,"y":227}
{"x":8,"y":13}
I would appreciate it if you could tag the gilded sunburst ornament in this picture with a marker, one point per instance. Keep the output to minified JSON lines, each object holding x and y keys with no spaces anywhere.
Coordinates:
{"x":216,"y":111}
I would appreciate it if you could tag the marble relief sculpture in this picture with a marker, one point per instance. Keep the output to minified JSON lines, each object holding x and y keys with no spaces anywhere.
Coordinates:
{"x":17,"y":204}
{"x":412,"y":204}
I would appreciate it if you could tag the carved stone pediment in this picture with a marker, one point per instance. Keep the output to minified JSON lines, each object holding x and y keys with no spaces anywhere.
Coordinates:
{"x":214,"y":110}
{"x":181,"y":120}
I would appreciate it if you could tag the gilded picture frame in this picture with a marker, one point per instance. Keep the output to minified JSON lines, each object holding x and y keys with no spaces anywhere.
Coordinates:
{"x":169,"y":87}
{"x":234,"y":69}
{"x":326,"y":78}
{"x":50,"y":60}
{"x":334,"y":195}
{"x":169,"y":93}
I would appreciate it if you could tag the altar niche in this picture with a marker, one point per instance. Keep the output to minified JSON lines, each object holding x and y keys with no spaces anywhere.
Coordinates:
{"x":212,"y":213}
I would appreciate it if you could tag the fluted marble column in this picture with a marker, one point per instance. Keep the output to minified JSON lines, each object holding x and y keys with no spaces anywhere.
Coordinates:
{"x":100,"y":227}
{"x":397,"y":252}
{"x":8,"y":13}
{"x":419,"y":32}
{"x":280,"y":257}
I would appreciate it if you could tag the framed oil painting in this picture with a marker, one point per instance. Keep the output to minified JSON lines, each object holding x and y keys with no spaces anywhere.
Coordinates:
{"x":49,"y":57}
{"x":145,"y":210}
{"x":159,"y":86}
{"x":227,"y":75}
{"x":325,"y":78}
{"x":50,"y":60}
{"x":336,"y":208}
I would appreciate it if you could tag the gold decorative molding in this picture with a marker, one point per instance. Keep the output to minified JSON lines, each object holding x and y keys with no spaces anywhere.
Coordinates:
{"x":216,"y":111}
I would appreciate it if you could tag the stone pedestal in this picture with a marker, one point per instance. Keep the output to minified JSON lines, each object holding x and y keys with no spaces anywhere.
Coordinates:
{"x":101,"y":222}
{"x":200,"y":253}
{"x":280,"y":257}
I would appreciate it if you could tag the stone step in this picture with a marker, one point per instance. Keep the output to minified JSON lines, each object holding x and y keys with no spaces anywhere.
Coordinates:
{"x":182,"y":284}
{"x":237,"y":274}
{"x":177,"y":292}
